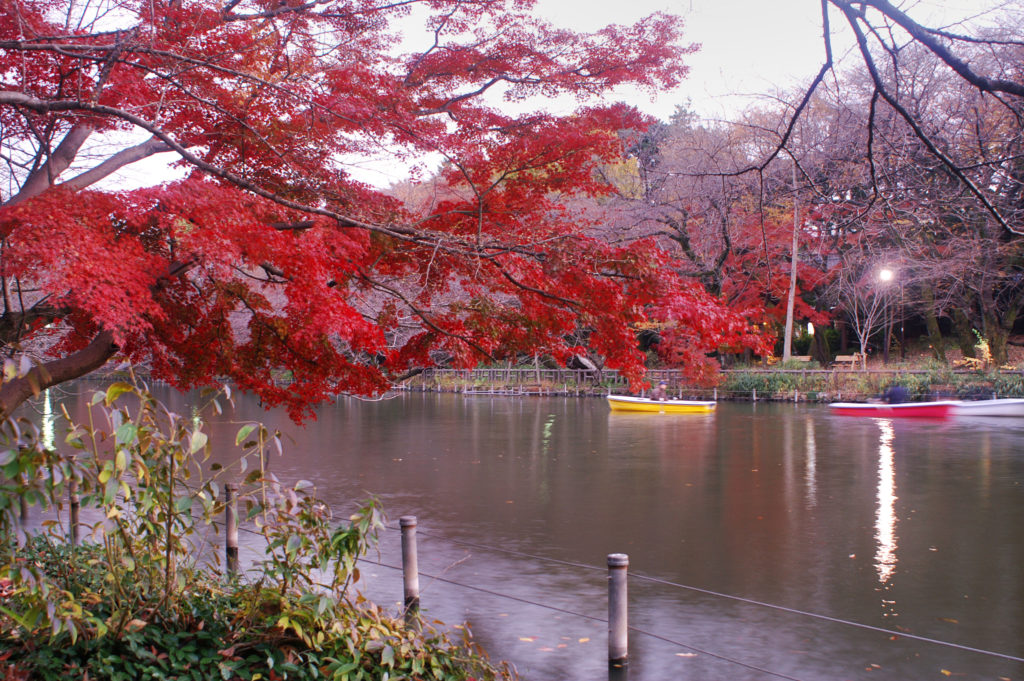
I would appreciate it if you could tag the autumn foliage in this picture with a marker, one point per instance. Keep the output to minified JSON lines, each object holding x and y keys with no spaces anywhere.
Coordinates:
{"x":268,"y":254}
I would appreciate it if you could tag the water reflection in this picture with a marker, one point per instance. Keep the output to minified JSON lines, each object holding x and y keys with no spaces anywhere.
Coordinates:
{"x":716,"y":501}
{"x":811,"y":472}
{"x":47,"y":421}
{"x":885,"y":519}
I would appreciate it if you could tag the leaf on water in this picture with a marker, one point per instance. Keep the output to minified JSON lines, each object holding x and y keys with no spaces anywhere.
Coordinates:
{"x":686,"y":654}
{"x":584,"y":640}
{"x":946,"y":672}
{"x":528,"y":639}
{"x":950,"y":620}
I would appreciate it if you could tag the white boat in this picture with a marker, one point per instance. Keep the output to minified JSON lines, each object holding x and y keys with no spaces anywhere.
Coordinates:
{"x":1006,"y":406}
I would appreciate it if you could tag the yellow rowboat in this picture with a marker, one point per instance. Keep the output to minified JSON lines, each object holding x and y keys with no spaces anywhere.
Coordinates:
{"x":627,"y":403}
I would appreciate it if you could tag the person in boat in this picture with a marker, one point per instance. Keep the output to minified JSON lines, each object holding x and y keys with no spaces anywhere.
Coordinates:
{"x":896,"y":394}
{"x":661,"y":392}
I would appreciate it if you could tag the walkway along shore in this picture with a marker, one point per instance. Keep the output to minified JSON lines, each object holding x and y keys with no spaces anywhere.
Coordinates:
{"x":787,"y":385}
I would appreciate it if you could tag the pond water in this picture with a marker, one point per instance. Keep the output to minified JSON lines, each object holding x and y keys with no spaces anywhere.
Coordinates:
{"x":904,"y":537}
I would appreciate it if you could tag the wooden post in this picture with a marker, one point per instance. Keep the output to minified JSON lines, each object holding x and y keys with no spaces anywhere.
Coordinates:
{"x":410,"y":567}
{"x":231,"y":528}
{"x":753,"y":392}
{"x":714,"y":395}
{"x":618,"y":610}
{"x":74,"y":506}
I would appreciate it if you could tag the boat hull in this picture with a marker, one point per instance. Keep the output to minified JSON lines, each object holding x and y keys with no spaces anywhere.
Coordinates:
{"x":642,"y":404}
{"x":998,"y":407}
{"x":903,"y":409}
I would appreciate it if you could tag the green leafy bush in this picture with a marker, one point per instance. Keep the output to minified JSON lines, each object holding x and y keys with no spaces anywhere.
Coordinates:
{"x":145,"y":599}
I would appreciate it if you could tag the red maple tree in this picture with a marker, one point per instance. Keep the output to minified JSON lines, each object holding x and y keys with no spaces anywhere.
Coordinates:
{"x":269,"y":254}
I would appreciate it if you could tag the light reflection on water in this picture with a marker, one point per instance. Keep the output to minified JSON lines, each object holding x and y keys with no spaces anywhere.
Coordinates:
{"x":885,"y":520}
{"x":773,"y":502}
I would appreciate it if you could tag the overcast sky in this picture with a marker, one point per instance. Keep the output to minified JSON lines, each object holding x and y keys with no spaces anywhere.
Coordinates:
{"x":748,"y":47}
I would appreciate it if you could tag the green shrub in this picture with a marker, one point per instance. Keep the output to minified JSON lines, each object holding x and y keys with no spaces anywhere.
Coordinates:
{"x":142,"y":602}
{"x":769,"y":383}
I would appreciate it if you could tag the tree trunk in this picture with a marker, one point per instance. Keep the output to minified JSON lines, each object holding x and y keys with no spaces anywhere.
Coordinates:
{"x":997,"y":338}
{"x":15,"y":392}
{"x":935,"y":340}
{"x":820,"y":350}
{"x":964,"y":338}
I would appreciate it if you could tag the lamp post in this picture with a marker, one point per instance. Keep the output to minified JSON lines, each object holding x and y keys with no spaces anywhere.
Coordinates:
{"x":886,"y":275}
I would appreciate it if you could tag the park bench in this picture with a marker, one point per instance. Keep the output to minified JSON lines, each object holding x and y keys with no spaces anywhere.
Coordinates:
{"x":801,"y":358}
{"x":848,"y":361}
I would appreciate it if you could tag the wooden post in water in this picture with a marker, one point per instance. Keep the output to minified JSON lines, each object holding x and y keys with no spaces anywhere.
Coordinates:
{"x":410,"y":567}
{"x":618,"y":610}
{"x":231,"y":528}
{"x":74,"y":506}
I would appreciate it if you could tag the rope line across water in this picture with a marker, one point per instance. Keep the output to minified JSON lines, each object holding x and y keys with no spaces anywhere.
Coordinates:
{"x":581,"y":615}
{"x":739,"y":599}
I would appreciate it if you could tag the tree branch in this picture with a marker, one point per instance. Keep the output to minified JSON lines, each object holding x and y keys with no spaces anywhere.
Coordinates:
{"x":116,"y":162}
{"x":58,"y":161}
{"x":13,"y":393}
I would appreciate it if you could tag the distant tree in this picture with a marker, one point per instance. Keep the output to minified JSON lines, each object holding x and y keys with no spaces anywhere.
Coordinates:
{"x":269,"y":255}
{"x":893,"y":48}
{"x":955,"y":256}
{"x":732,"y":232}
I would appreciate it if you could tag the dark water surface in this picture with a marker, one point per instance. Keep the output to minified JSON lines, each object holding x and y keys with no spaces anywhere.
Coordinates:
{"x":913,"y":526}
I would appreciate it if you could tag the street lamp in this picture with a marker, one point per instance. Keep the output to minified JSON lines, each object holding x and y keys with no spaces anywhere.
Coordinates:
{"x":887,"y":275}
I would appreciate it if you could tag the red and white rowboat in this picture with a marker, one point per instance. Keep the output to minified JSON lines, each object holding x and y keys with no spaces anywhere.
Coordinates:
{"x":901,"y":409}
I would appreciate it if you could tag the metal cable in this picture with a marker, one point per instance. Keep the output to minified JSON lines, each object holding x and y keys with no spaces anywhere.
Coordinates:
{"x":828,"y":618}
{"x":739,"y":599}
{"x":601,"y":620}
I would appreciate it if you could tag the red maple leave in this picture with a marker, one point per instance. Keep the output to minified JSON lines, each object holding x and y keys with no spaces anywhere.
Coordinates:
{"x":268,"y":256}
